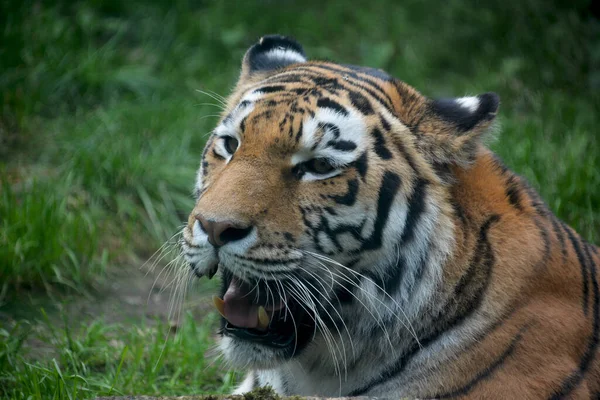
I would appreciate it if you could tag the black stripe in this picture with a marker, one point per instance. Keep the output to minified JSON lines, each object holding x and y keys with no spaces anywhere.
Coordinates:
{"x":326,"y":83}
{"x":499,"y":164}
{"x":199,"y":192}
{"x":416,"y":208}
{"x":325,"y":102}
{"x":256,"y":118}
{"x":488,"y":371}
{"x":543,"y":263}
{"x":385,"y":124}
{"x":573,"y":380}
{"x":360,"y":102}
{"x":342,"y":145}
{"x":205,"y":166}
{"x":349,"y":198}
{"x":559,"y":233}
{"x":536,"y":201}
{"x":271,"y":89}
{"x":292,"y":76}
{"x":443,"y":171}
{"x":407,"y":156}
{"x":380,"y":148}
{"x":471,"y":274}
{"x":328,"y":126}
{"x":300,"y":128}
{"x":513,"y":193}
{"x":459,"y":211}
{"x":228,"y":118}
{"x":331,"y":235}
{"x":243,"y":124}
{"x":390,"y":183}
{"x":583,"y":265}
{"x":362,"y":165}
{"x":208,"y":145}
{"x":300,"y":91}
{"x":419,"y":270}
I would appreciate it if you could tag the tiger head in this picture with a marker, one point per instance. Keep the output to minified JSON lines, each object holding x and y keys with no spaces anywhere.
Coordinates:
{"x":322,"y":186}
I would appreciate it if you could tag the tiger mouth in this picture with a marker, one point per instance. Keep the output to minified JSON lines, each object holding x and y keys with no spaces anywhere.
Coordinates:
{"x":259,"y":314}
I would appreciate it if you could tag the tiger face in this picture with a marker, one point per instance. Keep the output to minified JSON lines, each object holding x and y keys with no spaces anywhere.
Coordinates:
{"x":323,"y":187}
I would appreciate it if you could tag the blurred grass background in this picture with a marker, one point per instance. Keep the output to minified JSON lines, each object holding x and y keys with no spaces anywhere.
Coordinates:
{"x":102,"y":124}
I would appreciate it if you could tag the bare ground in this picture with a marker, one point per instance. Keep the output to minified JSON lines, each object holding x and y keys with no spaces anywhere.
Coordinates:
{"x":129,"y":295}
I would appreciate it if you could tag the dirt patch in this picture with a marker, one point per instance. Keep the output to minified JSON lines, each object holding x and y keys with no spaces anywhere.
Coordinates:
{"x":130,"y":296}
{"x":134,"y":294}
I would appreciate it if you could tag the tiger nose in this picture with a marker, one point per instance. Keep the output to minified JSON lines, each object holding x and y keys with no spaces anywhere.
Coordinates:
{"x":222,"y":232}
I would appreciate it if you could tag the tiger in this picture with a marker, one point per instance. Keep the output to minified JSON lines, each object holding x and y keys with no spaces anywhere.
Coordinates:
{"x":369,"y":243}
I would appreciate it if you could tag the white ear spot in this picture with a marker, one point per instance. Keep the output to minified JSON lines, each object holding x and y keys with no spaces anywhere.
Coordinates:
{"x":470,"y":103}
{"x":281,"y":53}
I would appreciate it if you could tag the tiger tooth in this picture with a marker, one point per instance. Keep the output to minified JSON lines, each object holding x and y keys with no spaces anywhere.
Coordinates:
{"x":212,"y":271}
{"x":220,"y":305}
{"x":263,"y":319}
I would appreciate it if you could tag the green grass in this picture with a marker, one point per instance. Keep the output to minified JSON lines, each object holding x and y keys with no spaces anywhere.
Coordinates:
{"x":106,"y":359}
{"x":41,"y":231}
{"x":102,"y":125}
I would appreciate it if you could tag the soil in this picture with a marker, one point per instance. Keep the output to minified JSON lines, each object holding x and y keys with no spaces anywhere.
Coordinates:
{"x":129,"y":295}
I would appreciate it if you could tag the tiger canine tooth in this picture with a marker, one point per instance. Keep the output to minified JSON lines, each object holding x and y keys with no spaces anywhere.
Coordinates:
{"x":212,"y":271}
{"x":220,"y":305}
{"x":263,"y":319}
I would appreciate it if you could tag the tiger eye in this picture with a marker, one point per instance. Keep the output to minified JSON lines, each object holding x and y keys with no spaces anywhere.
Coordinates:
{"x":231,"y":144}
{"x":320,"y":166}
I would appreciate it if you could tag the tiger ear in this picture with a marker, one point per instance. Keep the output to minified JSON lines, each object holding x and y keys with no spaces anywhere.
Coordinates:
{"x":451,"y":130}
{"x":272,"y":52}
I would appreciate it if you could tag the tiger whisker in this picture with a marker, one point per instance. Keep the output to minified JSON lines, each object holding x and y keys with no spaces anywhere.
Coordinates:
{"x":379,"y":320}
{"x":329,"y":260}
{"x":213,"y":96}
{"x":168,"y":246}
{"x":219,"y":106}
{"x":327,"y":334}
{"x":334,"y":308}
{"x":283,"y":296}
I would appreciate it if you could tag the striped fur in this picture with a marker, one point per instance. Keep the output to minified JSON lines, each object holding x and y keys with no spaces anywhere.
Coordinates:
{"x":434,"y":271}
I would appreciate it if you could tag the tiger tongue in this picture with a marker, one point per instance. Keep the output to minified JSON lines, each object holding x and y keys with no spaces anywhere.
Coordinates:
{"x":237,"y":308}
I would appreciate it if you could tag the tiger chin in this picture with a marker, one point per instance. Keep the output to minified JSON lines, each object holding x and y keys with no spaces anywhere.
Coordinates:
{"x":369,"y":243}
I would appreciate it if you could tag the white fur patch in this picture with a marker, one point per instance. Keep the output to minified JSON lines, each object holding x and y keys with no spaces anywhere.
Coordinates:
{"x":285,"y":54}
{"x":351,"y":128}
{"x":470,"y":103}
{"x":247,"y":384}
{"x":230,"y":126}
{"x":251,"y":97}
